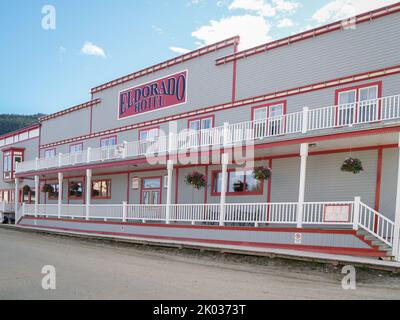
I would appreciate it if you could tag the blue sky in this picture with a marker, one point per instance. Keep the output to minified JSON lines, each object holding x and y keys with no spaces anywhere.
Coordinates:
{"x":95,"y":41}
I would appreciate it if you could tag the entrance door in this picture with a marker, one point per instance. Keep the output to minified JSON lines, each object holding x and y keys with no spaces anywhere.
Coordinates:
{"x":151,"y":191}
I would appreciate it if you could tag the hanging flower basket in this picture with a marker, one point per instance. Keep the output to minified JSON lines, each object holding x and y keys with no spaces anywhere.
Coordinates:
{"x":262,"y":173}
{"x":47,"y":188}
{"x":26,"y":189}
{"x":196,"y":180}
{"x":352,"y":165}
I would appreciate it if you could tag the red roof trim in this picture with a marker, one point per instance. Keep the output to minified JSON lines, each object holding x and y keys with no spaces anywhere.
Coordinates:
{"x":239,"y":103}
{"x":73,"y":109}
{"x":169,"y":63}
{"x":338,"y":25}
{"x":19,"y":131}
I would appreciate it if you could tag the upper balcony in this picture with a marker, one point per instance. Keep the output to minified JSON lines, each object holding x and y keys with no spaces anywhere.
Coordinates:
{"x":354,"y":116}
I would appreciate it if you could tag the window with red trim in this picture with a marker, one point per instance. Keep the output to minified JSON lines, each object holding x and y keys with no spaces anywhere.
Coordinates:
{"x":10,"y":158}
{"x":203,"y":123}
{"x":359,"y":104}
{"x":75,"y":190}
{"x":240,"y":182}
{"x":101,"y":189}
{"x":269,"y":119}
{"x":76,"y":148}
{"x":108,"y":142}
{"x":50,"y":153}
{"x":149,"y":134}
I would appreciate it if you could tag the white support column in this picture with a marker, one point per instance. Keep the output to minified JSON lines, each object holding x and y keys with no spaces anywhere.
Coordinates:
{"x":88,"y":191}
{"x":124,"y":211}
{"x":305,"y":120}
{"x":224,"y":187}
{"x":60,"y":192}
{"x":302,"y":183}
{"x":396,"y":235}
{"x":16,"y":197}
{"x":37,"y":195}
{"x":170,"y":168}
{"x":356,"y":215}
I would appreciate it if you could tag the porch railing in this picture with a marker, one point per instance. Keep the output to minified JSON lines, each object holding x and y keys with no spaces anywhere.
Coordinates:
{"x":308,"y":120}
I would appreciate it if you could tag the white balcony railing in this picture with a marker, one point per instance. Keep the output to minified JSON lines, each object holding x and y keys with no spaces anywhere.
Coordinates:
{"x":309,"y":120}
{"x":352,"y":214}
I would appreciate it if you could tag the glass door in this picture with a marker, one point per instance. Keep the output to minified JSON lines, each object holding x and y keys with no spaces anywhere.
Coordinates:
{"x":368,"y":106}
{"x":275,"y":120}
{"x":347,"y":104}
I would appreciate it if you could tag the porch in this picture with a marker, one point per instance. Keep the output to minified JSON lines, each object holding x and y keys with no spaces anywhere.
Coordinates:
{"x":339,"y":204}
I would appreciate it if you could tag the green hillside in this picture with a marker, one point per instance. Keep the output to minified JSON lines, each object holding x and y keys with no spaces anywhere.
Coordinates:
{"x":12,"y":122}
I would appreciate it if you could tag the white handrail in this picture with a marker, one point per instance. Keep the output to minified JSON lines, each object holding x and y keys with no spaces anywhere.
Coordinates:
{"x":376,"y":224}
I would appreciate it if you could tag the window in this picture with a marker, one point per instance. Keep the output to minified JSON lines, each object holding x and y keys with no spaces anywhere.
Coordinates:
{"x":101,"y":189}
{"x":75,"y":190}
{"x":201,"y":123}
{"x":108,"y":142}
{"x":10,"y":158}
{"x":358,"y":104}
{"x":50,"y":153}
{"x":239,"y":182}
{"x":149,"y":134}
{"x":269,"y":119}
{"x":76,"y":148}
{"x":53,"y":195}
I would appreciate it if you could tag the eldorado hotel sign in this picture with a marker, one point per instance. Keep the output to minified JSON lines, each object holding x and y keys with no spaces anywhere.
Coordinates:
{"x":158,"y":94}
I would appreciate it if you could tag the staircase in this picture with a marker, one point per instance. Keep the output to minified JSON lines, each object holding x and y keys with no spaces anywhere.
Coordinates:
{"x":380,"y":249}
{"x":376,"y":230}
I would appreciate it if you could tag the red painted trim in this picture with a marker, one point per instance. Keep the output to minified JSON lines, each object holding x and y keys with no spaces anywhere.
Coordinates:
{"x":240,"y":103}
{"x":324,"y":249}
{"x":69,"y":110}
{"x":217,"y":194}
{"x":109,"y":183}
{"x":167,"y":64}
{"x":378,"y":179}
{"x":335,"y":26}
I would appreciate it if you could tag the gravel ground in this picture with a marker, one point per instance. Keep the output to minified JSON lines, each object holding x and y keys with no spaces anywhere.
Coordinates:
{"x":89,"y":269}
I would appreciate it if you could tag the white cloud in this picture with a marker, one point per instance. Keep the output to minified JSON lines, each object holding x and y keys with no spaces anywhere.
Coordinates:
{"x":265,"y":8}
{"x":91,"y":49}
{"x":258,"y":6}
{"x":285,"y":23}
{"x":342,"y":9}
{"x":157,"y":29}
{"x":179,"y":50}
{"x":285,"y":6}
{"x":253,"y":30}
